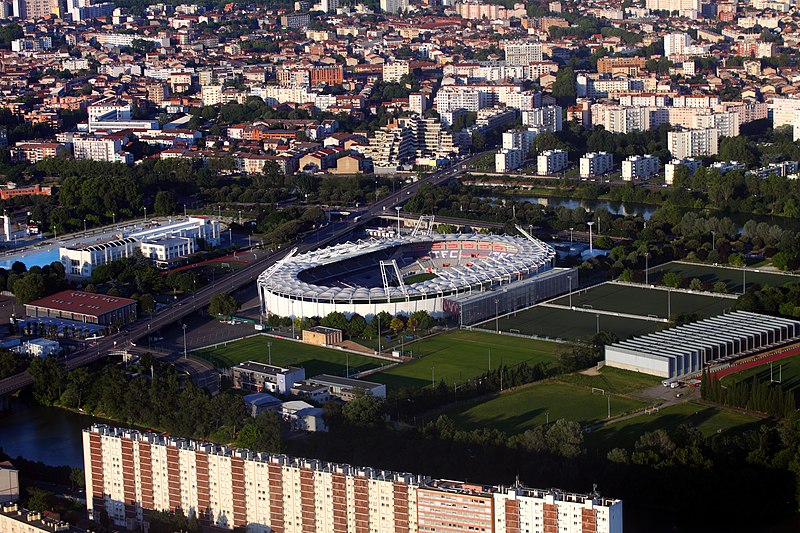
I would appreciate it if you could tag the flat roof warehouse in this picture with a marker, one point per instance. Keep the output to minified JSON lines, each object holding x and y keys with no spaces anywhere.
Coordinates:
{"x":687,"y":349}
{"x":86,"y":303}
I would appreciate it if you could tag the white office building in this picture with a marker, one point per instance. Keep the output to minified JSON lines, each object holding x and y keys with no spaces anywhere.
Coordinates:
{"x":508,"y":159}
{"x":693,"y":143}
{"x":550,"y":162}
{"x":596,"y":164}
{"x":638,"y":167}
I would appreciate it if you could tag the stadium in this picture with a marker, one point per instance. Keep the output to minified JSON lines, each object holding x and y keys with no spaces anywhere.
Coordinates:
{"x":473,"y":276}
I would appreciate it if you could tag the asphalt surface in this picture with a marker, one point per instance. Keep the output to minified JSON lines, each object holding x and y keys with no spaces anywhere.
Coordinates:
{"x":199,"y":299}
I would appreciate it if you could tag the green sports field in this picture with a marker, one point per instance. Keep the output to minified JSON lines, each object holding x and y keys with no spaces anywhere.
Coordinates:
{"x":565,"y":324}
{"x":613,"y":380}
{"x":530,"y":406}
{"x":708,"y":420}
{"x":644,"y":301}
{"x":732,"y":277}
{"x":786,"y":370}
{"x":315,"y":359}
{"x":460,"y":355}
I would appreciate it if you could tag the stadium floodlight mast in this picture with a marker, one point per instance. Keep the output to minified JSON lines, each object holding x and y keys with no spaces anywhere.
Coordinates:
{"x":590,"y":224}
{"x":570,"y":234}
{"x":398,"y":208}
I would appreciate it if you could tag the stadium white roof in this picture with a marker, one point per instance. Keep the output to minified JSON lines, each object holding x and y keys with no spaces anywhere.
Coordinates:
{"x":530,"y":256}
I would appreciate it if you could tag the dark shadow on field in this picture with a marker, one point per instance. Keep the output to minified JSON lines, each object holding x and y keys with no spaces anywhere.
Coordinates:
{"x":314,"y":367}
{"x":509,"y":424}
{"x":625,"y":435}
{"x":399,"y":382}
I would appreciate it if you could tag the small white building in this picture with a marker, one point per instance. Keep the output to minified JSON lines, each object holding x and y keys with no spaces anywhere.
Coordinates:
{"x":638,"y":167}
{"x":41,"y":347}
{"x":551,"y":162}
{"x":508,"y":159}
{"x":303,"y":416}
{"x":596,"y":164}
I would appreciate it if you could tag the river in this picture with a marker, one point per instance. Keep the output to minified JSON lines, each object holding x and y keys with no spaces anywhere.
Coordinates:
{"x":47,"y":434}
{"x":644,"y":210}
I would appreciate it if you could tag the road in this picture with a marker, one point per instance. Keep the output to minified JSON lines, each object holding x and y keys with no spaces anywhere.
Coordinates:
{"x":248,"y":274}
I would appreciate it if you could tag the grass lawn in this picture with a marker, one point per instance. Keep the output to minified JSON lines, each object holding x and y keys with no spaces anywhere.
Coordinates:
{"x":461,"y":355}
{"x":528,"y":407}
{"x":708,"y":420}
{"x":566,"y":324}
{"x":416,"y":278}
{"x":315,"y":359}
{"x":787,"y":370}
{"x":644,"y":301}
{"x":732,"y":277}
{"x":613,"y":380}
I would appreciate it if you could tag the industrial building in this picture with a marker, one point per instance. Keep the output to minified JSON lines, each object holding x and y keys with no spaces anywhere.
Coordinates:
{"x":130,"y":473}
{"x":80,"y":306}
{"x":687,"y":349}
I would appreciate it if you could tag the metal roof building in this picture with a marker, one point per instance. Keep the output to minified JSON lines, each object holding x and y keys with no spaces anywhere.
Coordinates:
{"x":687,"y":349}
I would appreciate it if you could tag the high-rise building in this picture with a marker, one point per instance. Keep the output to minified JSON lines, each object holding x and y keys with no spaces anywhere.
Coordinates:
{"x":508,"y":159}
{"x":693,"y":143}
{"x":129,"y":474}
{"x":34,"y":9}
{"x":393,"y":71}
{"x":675,"y":44}
{"x":521,"y":53}
{"x":329,"y":6}
{"x":685,"y":8}
{"x":548,"y":118}
{"x":394,"y":6}
{"x":596,"y":164}
{"x":638,"y":167}
{"x":550,"y":162}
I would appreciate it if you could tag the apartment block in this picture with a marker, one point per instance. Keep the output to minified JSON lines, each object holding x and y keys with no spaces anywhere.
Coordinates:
{"x":520,"y":53}
{"x":672,"y":166}
{"x":35,"y":151}
{"x":676,"y":44}
{"x":596,"y":164}
{"x":783,"y":111}
{"x":508,"y":159}
{"x":638,"y":167}
{"x":551,"y":162}
{"x":520,"y":140}
{"x":620,"y":65}
{"x":130,"y":473}
{"x":106,"y":148}
{"x":394,"y":7}
{"x":548,"y":118}
{"x":693,"y":143}
{"x":393,"y":71}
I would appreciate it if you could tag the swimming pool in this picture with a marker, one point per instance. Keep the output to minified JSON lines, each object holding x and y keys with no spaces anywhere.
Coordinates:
{"x":31,"y":257}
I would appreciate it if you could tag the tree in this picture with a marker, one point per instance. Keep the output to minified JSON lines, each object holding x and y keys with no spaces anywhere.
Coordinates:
{"x":397,"y":324}
{"x":564,"y":89}
{"x":164,"y":203}
{"x":672,"y":279}
{"x":366,"y":410}
{"x":720,"y":287}
{"x":223,"y":304}
{"x":48,"y":379}
{"x":29,"y":287}
{"x":696,"y":284}
{"x":261,"y":435}
{"x":8,"y":363}
{"x":565,"y":438}
{"x":335,"y":320}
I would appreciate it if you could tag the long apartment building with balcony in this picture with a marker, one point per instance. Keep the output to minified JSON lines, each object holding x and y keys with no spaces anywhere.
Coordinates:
{"x":130,"y":474}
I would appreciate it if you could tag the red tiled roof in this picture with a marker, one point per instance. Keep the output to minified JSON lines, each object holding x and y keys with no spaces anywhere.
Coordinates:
{"x":86,"y":303}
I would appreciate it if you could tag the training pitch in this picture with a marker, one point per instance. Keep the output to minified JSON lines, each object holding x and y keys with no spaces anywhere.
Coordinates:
{"x":461,"y":355}
{"x":732,"y":277}
{"x":538,"y":403}
{"x":314,"y":359}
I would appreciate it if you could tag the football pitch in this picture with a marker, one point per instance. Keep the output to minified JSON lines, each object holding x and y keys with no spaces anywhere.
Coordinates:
{"x":709,"y":420}
{"x":314,"y":359}
{"x":536,"y":404}
{"x":556,"y":323}
{"x":644,"y":301}
{"x":461,"y":355}
{"x":732,"y":277}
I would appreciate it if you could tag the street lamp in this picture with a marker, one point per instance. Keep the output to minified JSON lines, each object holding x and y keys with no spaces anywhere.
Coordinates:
{"x":496,"y":315}
{"x":569,"y":278}
{"x":113,"y":218}
{"x":184,"y":210}
{"x":84,"y":227}
{"x":598,"y":322}
{"x":240,"y":217}
{"x":184,"y":341}
{"x":646,"y":268}
{"x":398,"y":208}
{"x":145,"y":214}
{"x":55,"y":235}
{"x":590,"y":224}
